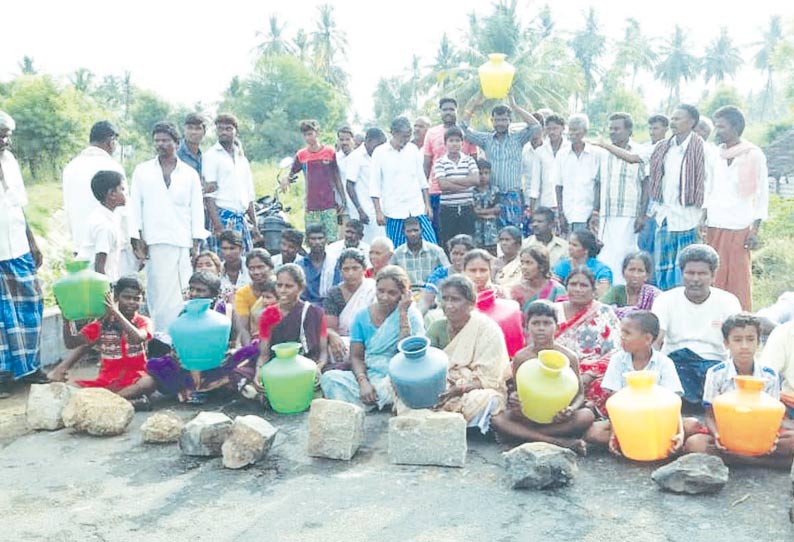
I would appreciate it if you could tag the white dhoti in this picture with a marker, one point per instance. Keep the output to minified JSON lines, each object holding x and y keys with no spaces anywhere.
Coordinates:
{"x":617,"y":234}
{"x":168,"y":271}
{"x":373,"y":230}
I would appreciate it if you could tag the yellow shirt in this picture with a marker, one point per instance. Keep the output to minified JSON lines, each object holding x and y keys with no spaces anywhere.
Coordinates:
{"x":244,"y":299}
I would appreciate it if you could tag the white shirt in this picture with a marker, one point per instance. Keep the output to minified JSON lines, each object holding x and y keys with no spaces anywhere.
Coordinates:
{"x":171,"y":215}
{"x":104,"y":235}
{"x":721,"y":379}
{"x":697,"y":327}
{"x":679,"y":217}
{"x":538,"y":167}
{"x":278,"y":261}
{"x":621,"y":363}
{"x":78,"y":200}
{"x":778,"y":354}
{"x":726,"y":208}
{"x":357,"y":171}
{"x":577,"y":176}
{"x":343,"y":163}
{"x":233,"y":175}
{"x":781,"y":311}
{"x":398,"y":178}
{"x":13,"y":228}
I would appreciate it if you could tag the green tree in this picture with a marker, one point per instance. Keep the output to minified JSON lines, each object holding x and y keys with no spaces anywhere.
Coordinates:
{"x":676,"y":64}
{"x":763,"y":59}
{"x":723,"y":95}
{"x":635,"y":51}
{"x":26,"y":66}
{"x":302,"y":45}
{"x":83,"y":80}
{"x":722,"y":58}
{"x":274,"y":42}
{"x":274,"y":98}
{"x":392,"y":97}
{"x":544,"y":23}
{"x":613,"y":97}
{"x":588,"y":47}
{"x":445,"y":68}
{"x":329,"y":43}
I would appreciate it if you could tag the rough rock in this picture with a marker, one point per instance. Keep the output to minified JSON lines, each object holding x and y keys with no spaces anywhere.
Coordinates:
{"x":692,"y":474}
{"x":204,"y":434}
{"x":97,"y":411}
{"x":45,"y":405}
{"x":162,"y":427}
{"x":540,"y":465}
{"x":423,"y":437}
{"x":249,"y":440}
{"x":336,"y":429}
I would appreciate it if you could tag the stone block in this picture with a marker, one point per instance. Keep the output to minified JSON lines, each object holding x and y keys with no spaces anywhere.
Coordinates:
{"x":45,"y":405}
{"x":248,"y":441}
{"x":540,"y":465}
{"x":98,"y":412}
{"x":692,"y":474}
{"x":204,"y":434}
{"x":162,"y":427}
{"x":336,"y":429}
{"x":424,"y":437}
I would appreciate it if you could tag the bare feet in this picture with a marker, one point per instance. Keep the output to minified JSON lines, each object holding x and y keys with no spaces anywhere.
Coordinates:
{"x":57,"y":375}
{"x":577,"y":445}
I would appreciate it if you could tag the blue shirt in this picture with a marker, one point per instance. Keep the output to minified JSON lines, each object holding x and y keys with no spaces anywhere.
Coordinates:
{"x":312,"y":291}
{"x":194,"y":161}
{"x":621,"y":363}
{"x":600,"y":270}
{"x":505,"y":155}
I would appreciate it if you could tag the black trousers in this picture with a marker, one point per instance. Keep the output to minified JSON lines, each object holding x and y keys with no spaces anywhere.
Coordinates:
{"x":454,"y":220}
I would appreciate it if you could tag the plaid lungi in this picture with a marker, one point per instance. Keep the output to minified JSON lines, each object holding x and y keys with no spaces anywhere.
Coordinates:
{"x":512,"y":209}
{"x":21,"y":310}
{"x":667,"y":246}
{"x":231,"y":220}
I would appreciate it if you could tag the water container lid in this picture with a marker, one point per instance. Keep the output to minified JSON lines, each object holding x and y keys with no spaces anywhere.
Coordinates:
{"x":77,"y":265}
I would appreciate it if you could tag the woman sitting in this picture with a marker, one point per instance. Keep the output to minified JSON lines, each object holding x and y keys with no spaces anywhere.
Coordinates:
{"x":590,"y":329}
{"x":507,"y":268}
{"x":373,"y":342}
{"x":292,"y":320}
{"x":636,"y":294}
{"x":478,"y":360}
{"x":458,"y":247}
{"x":246,"y":309}
{"x":583,"y":247}
{"x":536,"y":282}
{"x":477,"y":265}
{"x":344,"y":301}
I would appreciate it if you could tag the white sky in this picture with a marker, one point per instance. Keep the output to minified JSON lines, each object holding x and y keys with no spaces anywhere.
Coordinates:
{"x":188,"y":52}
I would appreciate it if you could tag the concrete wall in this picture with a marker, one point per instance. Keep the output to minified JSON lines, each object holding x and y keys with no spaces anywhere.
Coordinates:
{"x":52,"y":347}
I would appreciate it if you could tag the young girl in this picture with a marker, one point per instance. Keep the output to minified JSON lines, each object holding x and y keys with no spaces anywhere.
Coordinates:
{"x":486,"y":227}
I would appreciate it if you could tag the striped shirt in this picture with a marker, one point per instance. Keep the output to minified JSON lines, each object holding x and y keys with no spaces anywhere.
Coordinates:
{"x":621,"y":185}
{"x":446,"y":168}
{"x":504,"y":154}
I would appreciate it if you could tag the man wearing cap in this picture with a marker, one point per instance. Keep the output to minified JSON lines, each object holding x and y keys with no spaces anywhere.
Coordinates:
{"x":21,"y":303}
{"x":225,"y":166}
{"x":78,"y":200}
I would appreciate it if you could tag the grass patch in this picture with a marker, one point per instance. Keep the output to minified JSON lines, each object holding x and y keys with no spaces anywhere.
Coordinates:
{"x":45,"y":198}
{"x":773,"y":262}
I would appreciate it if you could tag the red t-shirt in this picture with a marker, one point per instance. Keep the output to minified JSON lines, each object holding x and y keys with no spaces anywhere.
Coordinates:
{"x":319,"y":169}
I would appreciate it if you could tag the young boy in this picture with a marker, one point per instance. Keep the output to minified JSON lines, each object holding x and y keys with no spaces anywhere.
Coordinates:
{"x":638,"y":331}
{"x":120,"y":336}
{"x":486,"y":209}
{"x":457,"y":175}
{"x":571,"y":423}
{"x":742,"y":333}
{"x":105,"y":237}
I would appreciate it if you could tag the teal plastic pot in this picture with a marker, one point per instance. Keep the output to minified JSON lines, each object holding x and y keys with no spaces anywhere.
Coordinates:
{"x":200,"y":336}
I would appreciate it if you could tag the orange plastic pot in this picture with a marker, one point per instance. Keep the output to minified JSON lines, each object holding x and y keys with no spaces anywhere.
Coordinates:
{"x":644,"y":417}
{"x":748,"y":419}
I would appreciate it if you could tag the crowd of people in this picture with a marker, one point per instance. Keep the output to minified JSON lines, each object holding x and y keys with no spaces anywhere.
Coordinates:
{"x":619,"y":255}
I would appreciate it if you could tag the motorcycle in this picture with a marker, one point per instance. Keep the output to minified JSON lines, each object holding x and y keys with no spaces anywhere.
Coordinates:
{"x":271,"y":215}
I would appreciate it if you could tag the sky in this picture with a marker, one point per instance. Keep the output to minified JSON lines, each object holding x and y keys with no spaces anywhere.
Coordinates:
{"x":189,"y":54}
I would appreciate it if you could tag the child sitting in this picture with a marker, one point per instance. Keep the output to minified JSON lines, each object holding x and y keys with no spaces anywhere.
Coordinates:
{"x":120,"y":336}
{"x":570,"y":423}
{"x":487,"y":209}
{"x":638,"y":331}
{"x":742,"y":333}
{"x":105,"y":237}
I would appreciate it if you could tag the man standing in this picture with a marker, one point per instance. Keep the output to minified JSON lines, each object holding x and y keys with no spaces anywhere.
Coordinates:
{"x":357,"y":181}
{"x":538,"y":170}
{"x":318,"y":163}
{"x":503,"y":150}
{"x":225,"y":166}
{"x":344,"y":150}
{"x":576,"y":178}
{"x":677,"y":186}
{"x":623,"y":198}
{"x":421,"y":125}
{"x":398,"y":186}
{"x":78,"y":199}
{"x":737,"y":203}
{"x":189,"y":150}
{"x":167,"y":223}
{"x":434,"y":149}
{"x":21,"y":304}
{"x":417,"y":257}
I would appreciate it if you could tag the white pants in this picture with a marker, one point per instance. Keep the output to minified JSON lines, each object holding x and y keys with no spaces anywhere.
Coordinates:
{"x":168,"y":271}
{"x":373,"y":230}
{"x":617,"y":234}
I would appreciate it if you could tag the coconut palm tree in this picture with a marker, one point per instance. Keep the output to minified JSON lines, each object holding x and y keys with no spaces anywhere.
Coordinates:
{"x":722,"y":58}
{"x":82,"y":79}
{"x":635,"y":51}
{"x":26,"y":66}
{"x":676,"y":63}
{"x":274,"y":42}
{"x":302,"y":45}
{"x":763,"y":59}
{"x":588,"y":47}
{"x":329,"y":43}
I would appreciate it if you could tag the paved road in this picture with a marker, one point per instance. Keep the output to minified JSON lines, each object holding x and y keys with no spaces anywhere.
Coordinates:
{"x":62,"y":487}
